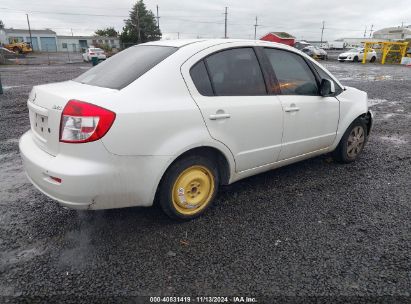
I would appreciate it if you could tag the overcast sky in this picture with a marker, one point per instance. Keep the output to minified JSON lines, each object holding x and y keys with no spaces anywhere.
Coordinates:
{"x":192,"y":19}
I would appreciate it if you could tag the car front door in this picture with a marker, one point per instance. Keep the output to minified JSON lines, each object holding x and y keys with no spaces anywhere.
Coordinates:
{"x":230,"y":89}
{"x":310,"y":120}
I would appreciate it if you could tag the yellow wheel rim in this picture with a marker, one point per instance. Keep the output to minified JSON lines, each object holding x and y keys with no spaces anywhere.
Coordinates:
{"x":193,"y":190}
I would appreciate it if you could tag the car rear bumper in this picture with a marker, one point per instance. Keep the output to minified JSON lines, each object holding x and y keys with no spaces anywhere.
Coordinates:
{"x":102,"y":182}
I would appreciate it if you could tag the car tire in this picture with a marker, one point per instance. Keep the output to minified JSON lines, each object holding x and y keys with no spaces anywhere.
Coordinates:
{"x":373,"y":59}
{"x":352,"y":143}
{"x":188,"y":187}
{"x":355,"y":59}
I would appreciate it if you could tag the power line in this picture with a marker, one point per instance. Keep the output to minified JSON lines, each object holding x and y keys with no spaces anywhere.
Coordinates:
{"x":195,"y":21}
{"x":64,"y":13}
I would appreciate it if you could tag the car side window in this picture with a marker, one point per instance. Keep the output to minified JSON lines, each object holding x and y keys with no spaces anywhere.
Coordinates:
{"x":236,"y":72}
{"x":201,"y":80}
{"x":293,"y":73}
{"x":324,"y":75}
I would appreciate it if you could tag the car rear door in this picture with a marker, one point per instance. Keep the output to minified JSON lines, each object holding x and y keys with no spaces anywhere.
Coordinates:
{"x":230,"y":89}
{"x":310,"y":120}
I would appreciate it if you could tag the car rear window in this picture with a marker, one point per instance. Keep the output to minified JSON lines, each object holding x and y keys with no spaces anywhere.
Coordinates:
{"x":123,"y":68}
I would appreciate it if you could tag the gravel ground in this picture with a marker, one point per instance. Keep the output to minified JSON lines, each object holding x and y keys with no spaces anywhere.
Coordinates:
{"x":315,"y":228}
{"x":43,"y":58}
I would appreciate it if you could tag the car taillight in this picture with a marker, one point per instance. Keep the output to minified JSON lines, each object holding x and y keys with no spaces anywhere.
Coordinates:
{"x":83,"y":122}
{"x":91,"y":53}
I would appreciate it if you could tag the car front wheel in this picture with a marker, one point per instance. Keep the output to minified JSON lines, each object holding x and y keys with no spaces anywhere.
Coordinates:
{"x":352,"y":143}
{"x":188,"y":187}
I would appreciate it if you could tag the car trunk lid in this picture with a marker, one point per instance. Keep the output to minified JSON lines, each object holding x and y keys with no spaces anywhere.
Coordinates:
{"x":46,"y":103}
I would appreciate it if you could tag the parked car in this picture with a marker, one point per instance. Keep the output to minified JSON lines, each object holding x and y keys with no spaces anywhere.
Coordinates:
{"x":94,"y":52}
{"x":301,"y":44}
{"x":315,"y":52}
{"x":170,"y":121}
{"x":7,"y":53}
{"x":357,"y":54}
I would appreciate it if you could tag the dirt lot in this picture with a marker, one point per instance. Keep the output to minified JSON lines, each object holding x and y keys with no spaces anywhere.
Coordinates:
{"x":315,"y":228}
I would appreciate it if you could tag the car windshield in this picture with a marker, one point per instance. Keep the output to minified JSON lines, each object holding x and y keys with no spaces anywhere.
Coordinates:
{"x":355,"y":50}
{"x":96,"y":50}
{"x":123,"y":68}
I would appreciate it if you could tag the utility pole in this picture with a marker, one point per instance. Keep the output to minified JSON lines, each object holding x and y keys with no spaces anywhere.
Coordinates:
{"x":72,"y":32}
{"x":28,"y":23}
{"x":365,"y":32}
{"x":225,"y":23}
{"x":255,"y":28}
{"x":372,"y":25}
{"x":322,"y":32}
{"x":158,"y":19}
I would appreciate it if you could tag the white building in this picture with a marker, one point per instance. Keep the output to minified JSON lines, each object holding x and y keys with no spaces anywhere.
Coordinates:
{"x":48,"y":41}
{"x":393,"y":33}
{"x":320,"y":44}
{"x":79,"y":43}
{"x":42,"y":40}
{"x":357,"y":42}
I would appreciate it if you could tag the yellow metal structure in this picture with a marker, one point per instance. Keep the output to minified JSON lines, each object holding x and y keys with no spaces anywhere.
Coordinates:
{"x":193,"y":190}
{"x":386,"y":48}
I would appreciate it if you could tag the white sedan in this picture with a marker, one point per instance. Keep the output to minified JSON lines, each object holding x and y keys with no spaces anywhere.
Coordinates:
{"x":171,"y":121}
{"x":94,"y":52}
{"x":357,"y":54}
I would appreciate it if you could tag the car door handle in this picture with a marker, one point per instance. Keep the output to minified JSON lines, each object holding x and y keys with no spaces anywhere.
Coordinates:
{"x":219,"y":116}
{"x":291,"y":109}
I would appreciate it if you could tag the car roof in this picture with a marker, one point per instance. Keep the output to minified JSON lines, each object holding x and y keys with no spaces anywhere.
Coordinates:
{"x":205,"y":43}
{"x":189,"y":47}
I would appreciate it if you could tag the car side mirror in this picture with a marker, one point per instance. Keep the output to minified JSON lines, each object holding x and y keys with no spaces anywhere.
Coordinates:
{"x":327,"y":88}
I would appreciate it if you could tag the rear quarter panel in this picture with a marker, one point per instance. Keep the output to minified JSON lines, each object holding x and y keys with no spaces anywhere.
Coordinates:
{"x":155,"y":115}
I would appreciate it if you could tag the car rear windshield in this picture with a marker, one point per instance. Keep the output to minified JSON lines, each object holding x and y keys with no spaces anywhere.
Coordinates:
{"x":123,"y":68}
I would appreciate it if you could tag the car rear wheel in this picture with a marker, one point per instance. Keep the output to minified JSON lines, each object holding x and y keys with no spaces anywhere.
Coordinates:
{"x":188,"y":187}
{"x":352,"y":143}
{"x":373,"y":59}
